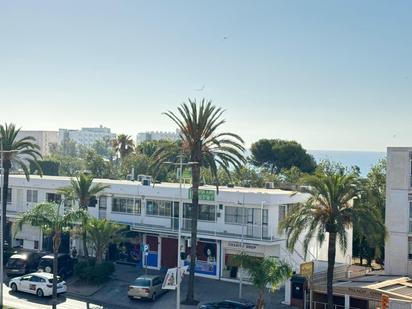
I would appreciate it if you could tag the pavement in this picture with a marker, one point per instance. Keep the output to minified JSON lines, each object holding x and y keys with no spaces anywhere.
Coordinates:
{"x":113,"y":294}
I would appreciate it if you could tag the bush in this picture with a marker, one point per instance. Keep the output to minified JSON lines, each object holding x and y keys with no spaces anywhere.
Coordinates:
{"x":94,"y":273}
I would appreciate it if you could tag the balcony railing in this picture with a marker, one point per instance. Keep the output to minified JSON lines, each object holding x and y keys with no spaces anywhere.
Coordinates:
{"x":250,"y":232}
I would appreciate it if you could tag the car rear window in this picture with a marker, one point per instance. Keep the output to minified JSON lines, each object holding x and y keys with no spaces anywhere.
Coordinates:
{"x":58,"y":280}
{"x":15,"y":263}
{"x":45,"y":262}
{"x":142,"y":282}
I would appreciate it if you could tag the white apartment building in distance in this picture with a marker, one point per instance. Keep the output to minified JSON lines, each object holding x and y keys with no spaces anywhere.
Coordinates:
{"x":156,"y":136}
{"x":233,"y":221}
{"x":398,"y":215}
{"x":44,"y":139}
{"x":86,"y":136}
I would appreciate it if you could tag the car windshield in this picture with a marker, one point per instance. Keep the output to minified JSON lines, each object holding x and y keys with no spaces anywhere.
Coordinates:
{"x":16,"y":263}
{"x":45,"y":262}
{"x":59,"y":279}
{"x":142,"y":282}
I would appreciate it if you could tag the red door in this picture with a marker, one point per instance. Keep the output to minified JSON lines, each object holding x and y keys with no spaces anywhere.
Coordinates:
{"x":169,"y":252}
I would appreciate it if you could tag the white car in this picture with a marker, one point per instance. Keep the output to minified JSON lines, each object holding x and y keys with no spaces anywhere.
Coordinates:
{"x":38,"y":283}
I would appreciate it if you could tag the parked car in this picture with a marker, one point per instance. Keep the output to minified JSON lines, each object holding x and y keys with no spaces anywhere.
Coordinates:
{"x":229,"y":304}
{"x":22,"y":263}
{"x":40,"y":284}
{"x":64,"y":263}
{"x":147,"y":286}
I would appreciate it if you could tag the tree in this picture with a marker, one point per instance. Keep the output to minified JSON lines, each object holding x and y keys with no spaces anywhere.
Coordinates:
{"x":103,"y":147}
{"x":101,"y":233}
{"x":328,"y":210}
{"x":276,"y":154}
{"x":48,"y":167}
{"x":52,"y":219}
{"x":17,"y":153}
{"x":97,"y":165}
{"x":123,"y":145}
{"x":82,"y":190}
{"x":200,"y":142}
{"x":263,"y":272}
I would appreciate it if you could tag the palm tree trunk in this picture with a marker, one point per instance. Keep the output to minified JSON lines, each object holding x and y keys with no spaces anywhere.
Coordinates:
{"x":331,"y":266}
{"x":6,"y":166}
{"x":261,"y":300}
{"x":84,"y":240}
{"x":56,"y":246}
{"x":193,"y":241}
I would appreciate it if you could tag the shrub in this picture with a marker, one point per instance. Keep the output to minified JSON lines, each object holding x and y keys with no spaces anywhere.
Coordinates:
{"x":94,"y":273}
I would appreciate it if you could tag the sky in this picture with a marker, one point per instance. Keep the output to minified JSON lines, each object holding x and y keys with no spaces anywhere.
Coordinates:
{"x":333,"y":75}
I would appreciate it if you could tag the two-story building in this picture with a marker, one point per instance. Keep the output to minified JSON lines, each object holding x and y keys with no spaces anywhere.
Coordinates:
{"x":230,"y":221}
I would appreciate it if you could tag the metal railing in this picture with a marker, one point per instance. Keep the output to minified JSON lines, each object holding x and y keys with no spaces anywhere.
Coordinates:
{"x":321,"y":305}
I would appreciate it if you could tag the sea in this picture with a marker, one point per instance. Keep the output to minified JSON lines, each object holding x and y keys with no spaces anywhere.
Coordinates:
{"x":363,"y":159}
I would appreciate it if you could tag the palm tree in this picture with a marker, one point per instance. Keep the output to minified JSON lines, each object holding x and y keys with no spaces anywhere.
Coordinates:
{"x":200,"y":142}
{"x":101,"y":233}
{"x":328,"y":210}
{"x":82,"y":190}
{"x":123,"y":145}
{"x":264,"y":272}
{"x":17,"y":152}
{"x":52,"y":218}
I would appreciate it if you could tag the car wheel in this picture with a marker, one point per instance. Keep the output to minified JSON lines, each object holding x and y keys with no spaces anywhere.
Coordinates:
{"x":153,"y":296}
{"x":40,"y":293}
{"x":14,"y":287}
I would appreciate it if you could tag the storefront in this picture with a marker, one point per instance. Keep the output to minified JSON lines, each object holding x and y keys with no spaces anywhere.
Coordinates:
{"x":207,"y":261}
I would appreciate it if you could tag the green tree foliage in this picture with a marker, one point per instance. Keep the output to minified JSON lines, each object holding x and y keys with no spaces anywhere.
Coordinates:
{"x":17,"y":154}
{"x":103,"y":147}
{"x":98,"y":166}
{"x":49,"y":167}
{"x":327,"y":214}
{"x":264,"y":272}
{"x":202,"y":143}
{"x":123,"y":145}
{"x":52,"y":219}
{"x":276,"y":154}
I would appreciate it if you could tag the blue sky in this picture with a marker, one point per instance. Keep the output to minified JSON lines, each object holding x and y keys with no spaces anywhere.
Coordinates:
{"x":329,"y":74}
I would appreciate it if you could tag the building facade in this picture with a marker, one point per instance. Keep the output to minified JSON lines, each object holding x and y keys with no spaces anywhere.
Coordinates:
{"x":233,"y":221}
{"x":156,"y":136}
{"x":86,"y":136}
{"x":398,"y":214}
{"x":44,"y":139}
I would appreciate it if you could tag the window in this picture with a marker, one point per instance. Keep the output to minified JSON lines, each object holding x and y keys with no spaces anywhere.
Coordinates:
{"x":234,"y":214}
{"x":126,"y":205}
{"x":53,"y":198}
{"x":206,"y":212}
{"x":410,"y":248}
{"x":103,"y":202}
{"x":410,"y":217}
{"x":9,"y":195}
{"x":282,"y":212}
{"x":32,"y":196}
{"x":159,"y":208}
{"x":265,"y":217}
{"x":92,"y":201}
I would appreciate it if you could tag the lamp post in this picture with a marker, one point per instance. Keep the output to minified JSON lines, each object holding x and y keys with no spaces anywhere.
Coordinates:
{"x":180,"y":164}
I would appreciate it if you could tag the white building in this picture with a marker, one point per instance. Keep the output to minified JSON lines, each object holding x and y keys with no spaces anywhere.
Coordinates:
{"x":235,"y":220}
{"x":156,"y":136}
{"x":398,"y":214}
{"x":86,"y":136}
{"x":44,"y":139}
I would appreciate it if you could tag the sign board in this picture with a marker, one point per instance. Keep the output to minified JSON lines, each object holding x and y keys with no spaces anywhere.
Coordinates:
{"x":170,"y":281}
{"x":204,"y":195}
{"x":146,"y":248}
{"x":306,"y":269}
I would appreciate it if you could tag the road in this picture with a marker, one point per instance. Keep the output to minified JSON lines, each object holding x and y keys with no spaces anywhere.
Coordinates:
{"x":20,"y":300}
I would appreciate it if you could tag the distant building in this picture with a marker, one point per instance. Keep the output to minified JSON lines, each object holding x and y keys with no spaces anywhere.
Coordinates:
{"x":398,"y":213}
{"x":86,"y":136}
{"x":43,"y":139}
{"x":156,"y":136}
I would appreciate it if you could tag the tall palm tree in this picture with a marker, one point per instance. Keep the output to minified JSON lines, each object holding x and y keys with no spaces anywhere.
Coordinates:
{"x":329,"y":209}
{"x":200,"y":142}
{"x":17,"y":152}
{"x":53,"y":220}
{"x":123,"y":145}
{"x":102,"y":233}
{"x":82,"y":189}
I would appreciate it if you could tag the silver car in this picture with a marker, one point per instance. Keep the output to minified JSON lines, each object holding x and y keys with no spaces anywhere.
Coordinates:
{"x":147,"y":286}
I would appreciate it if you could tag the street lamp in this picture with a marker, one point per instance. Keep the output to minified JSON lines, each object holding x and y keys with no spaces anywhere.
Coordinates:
{"x":180,"y":164}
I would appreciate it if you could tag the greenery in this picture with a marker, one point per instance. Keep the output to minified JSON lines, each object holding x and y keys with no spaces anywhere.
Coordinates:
{"x":48,"y":167}
{"x":123,"y":145}
{"x":17,"y":153}
{"x":101,"y":233}
{"x":264,"y":272}
{"x":52,"y":219}
{"x":276,"y":155}
{"x":82,"y":190}
{"x":201,"y":143}
{"x":326,"y":215}
{"x":92,"y":272}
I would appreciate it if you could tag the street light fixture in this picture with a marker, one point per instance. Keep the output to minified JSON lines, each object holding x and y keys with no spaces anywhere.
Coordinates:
{"x":180,"y":164}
